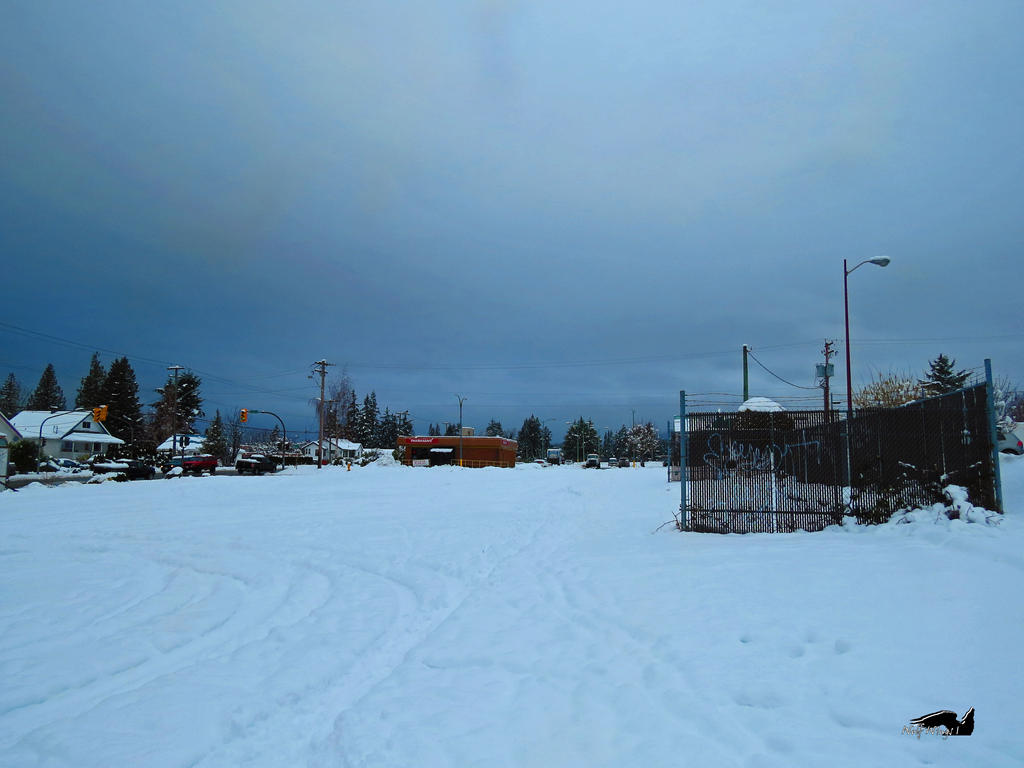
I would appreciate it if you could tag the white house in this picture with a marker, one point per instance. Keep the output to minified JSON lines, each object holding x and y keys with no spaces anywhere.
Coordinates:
{"x":65,"y":434}
{"x":334,"y":448}
{"x":186,"y":445}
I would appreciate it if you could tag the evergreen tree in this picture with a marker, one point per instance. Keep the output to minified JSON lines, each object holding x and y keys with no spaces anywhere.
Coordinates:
{"x":120,"y":392}
{"x":90,"y":390}
{"x":368,"y":426}
{"x":10,"y":397}
{"x":274,"y":438}
{"x":48,"y":393}
{"x":405,"y":425}
{"x":433,"y":430}
{"x":387,"y":430}
{"x":622,"y":449}
{"x":942,"y":377}
{"x":580,"y":440}
{"x":608,"y":445}
{"x":533,"y":439}
{"x":451,"y":430}
{"x":352,"y":415}
{"x":178,"y":408}
{"x":494,"y":429}
{"x":216,"y":442}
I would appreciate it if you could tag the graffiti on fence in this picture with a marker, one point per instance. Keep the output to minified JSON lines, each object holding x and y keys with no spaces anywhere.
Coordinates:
{"x":726,"y":457}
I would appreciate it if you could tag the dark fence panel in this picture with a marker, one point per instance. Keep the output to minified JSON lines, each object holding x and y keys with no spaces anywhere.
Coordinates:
{"x":762,"y":472}
{"x":767,"y":472}
{"x":903,"y":457}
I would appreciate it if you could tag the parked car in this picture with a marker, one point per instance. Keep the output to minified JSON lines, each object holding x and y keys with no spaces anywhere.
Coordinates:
{"x":133,"y":469}
{"x":256,"y":464}
{"x":623,"y":462}
{"x":62,"y":465}
{"x":1008,"y":442}
{"x":593,"y":460}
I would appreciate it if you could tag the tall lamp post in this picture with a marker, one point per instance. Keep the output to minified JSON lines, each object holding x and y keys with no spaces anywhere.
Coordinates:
{"x":462,"y":399}
{"x":881,"y":261}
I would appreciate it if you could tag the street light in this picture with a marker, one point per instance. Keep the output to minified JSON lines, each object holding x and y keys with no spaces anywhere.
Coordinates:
{"x":880,"y":261}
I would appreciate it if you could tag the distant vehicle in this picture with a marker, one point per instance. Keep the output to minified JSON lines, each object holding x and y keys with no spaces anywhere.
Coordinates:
{"x":194,"y":465}
{"x":623,"y":462}
{"x":203,"y":462}
{"x":1008,"y":442}
{"x":540,"y":461}
{"x":612,"y":461}
{"x":554,"y":456}
{"x":255,"y":464}
{"x":593,"y":460}
{"x":133,"y":469}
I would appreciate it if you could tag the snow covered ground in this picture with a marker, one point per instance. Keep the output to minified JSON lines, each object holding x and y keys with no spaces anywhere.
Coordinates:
{"x":391,"y":616}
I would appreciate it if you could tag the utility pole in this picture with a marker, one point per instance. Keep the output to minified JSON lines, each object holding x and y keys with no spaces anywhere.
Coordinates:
{"x":320,"y":366}
{"x":825,"y":373}
{"x":174,"y":410}
{"x":746,"y":380}
{"x":461,"y":400}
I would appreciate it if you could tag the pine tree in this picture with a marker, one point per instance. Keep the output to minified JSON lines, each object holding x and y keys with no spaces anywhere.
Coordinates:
{"x":405,"y":425}
{"x":494,"y":429}
{"x":387,"y":430}
{"x":622,"y":449}
{"x":178,"y":409}
{"x":368,"y":421}
{"x":608,"y":444}
{"x":216,"y":442}
{"x":451,"y":430}
{"x":90,"y":390}
{"x":942,"y":377}
{"x":48,"y":393}
{"x":352,"y":415}
{"x":434,"y":430}
{"x":580,"y":440}
{"x":120,"y":392}
{"x":10,"y":397}
{"x":533,"y":439}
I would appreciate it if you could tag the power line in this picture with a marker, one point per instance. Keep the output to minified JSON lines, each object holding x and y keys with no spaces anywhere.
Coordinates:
{"x":749,"y":352}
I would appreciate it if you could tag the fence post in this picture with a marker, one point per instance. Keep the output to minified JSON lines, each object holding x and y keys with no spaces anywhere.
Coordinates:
{"x":991,"y":411}
{"x":682,"y":460}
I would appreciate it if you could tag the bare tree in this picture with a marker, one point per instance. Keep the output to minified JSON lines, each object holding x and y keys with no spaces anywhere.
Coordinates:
{"x":887,"y":390}
{"x":337,"y":398}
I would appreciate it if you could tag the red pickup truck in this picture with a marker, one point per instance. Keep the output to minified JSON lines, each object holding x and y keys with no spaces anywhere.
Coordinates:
{"x":195,"y":465}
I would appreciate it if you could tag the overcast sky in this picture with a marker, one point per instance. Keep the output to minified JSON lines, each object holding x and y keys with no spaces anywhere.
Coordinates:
{"x":571,"y":208}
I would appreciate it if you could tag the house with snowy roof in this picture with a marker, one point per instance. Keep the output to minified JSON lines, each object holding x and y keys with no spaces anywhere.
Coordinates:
{"x":7,"y":430}
{"x":334,"y":448}
{"x":65,"y":434}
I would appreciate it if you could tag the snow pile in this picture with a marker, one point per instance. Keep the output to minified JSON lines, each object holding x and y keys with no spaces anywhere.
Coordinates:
{"x":761,"y":405}
{"x":458,"y":617}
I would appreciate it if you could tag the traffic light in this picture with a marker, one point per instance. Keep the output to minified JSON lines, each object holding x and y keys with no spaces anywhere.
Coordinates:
{"x":244,"y":416}
{"x":99,"y":413}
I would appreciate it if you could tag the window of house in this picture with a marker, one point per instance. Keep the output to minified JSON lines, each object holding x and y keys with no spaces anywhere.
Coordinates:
{"x":67,"y":447}
{"x":97,"y":447}
{"x":86,"y":424}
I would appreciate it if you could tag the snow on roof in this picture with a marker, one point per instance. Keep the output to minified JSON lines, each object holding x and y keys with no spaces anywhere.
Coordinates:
{"x":28,"y":423}
{"x":195,"y":442}
{"x":762,"y":405}
{"x":94,"y":437}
